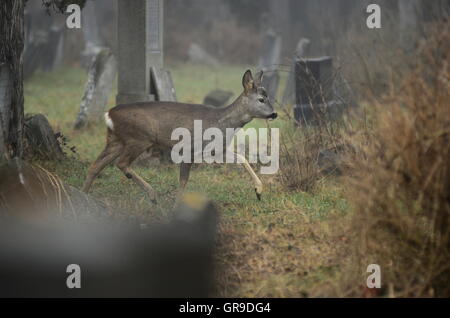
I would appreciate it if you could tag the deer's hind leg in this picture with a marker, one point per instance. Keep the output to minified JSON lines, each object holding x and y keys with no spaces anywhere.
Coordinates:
{"x":112,"y":150}
{"x":129,"y":154}
{"x":185,"y":169}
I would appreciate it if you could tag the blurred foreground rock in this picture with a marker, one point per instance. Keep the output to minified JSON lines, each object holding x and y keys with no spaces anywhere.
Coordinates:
{"x":29,"y":192}
{"x":115,"y":259}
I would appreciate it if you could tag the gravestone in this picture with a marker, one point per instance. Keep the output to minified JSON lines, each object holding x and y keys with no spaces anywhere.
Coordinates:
{"x":163,"y":85}
{"x":315,"y":91}
{"x":199,"y":55}
{"x":31,"y":192}
{"x":53,"y":50}
{"x":40,"y":139}
{"x":60,"y":225}
{"x":92,"y":40}
{"x":289,"y":91}
{"x":140,"y":38}
{"x":217,"y":98}
{"x":43,"y":40}
{"x":141,"y":76}
{"x":270,"y":61}
{"x":101,"y":76}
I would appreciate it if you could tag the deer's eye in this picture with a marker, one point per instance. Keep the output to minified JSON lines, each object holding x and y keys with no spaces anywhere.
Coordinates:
{"x":261,"y":100}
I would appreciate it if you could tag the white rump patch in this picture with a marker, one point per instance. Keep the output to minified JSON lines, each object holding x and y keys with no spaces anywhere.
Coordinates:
{"x":108,"y":121}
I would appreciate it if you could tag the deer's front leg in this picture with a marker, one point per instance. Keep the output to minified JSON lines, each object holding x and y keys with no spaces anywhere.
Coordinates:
{"x":129,"y":173}
{"x":256,"y":181}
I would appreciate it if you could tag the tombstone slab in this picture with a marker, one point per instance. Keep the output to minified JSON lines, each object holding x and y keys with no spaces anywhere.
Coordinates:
{"x":217,"y":98}
{"x":163,"y":85}
{"x":101,"y":76}
{"x":315,"y":91}
{"x":289,"y":91}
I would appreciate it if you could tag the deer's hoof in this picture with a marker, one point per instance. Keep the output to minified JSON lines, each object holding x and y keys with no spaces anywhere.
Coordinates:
{"x":258,"y":195}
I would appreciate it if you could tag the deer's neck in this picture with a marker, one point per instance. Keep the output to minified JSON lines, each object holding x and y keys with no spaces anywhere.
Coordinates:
{"x":235,"y":115}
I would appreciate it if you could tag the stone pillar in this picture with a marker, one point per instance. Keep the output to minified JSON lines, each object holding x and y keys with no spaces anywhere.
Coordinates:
{"x":140,"y":47}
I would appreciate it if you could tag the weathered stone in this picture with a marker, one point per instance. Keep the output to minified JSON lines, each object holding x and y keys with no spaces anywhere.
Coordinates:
{"x":198,"y":55}
{"x":40,"y":139}
{"x":53,"y":49}
{"x":93,"y":43}
{"x":314,"y":78}
{"x":271,"y":82}
{"x":315,"y":91}
{"x":164,"y":89}
{"x":31,"y":192}
{"x":101,"y":76}
{"x":269,"y":62}
{"x":217,"y":98}
{"x":44,"y":40}
{"x":140,"y":38}
{"x":115,"y":260}
{"x":289,"y":91}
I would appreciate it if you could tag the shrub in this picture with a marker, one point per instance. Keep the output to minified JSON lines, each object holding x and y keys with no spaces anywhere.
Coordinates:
{"x":400,"y":184}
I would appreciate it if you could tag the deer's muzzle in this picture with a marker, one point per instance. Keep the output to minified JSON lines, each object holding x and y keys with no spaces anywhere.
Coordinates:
{"x":272,"y":116}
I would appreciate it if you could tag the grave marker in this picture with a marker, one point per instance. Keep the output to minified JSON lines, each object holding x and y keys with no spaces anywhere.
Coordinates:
{"x":289,"y":91}
{"x":315,"y":91}
{"x":269,"y":62}
{"x":101,"y":76}
{"x":140,"y":38}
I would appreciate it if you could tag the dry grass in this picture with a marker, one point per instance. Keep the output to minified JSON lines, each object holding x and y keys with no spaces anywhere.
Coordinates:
{"x":286,"y":254}
{"x":310,"y":152}
{"x":400,"y":187}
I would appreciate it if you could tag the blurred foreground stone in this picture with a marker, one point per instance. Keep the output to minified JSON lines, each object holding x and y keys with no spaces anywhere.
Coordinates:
{"x":115,"y":259}
{"x":31,"y":192}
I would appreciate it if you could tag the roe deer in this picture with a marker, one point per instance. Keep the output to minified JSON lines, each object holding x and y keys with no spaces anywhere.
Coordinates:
{"x":138,"y":127}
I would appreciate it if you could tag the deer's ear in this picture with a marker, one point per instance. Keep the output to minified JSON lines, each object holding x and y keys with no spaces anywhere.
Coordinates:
{"x":259,"y":78}
{"x":247,"y":81}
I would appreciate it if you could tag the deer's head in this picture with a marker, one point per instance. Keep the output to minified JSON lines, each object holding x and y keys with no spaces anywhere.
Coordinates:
{"x":258,"y":104}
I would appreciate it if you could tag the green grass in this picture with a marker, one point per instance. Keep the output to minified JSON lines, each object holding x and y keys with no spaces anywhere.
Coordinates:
{"x":57,"y":95}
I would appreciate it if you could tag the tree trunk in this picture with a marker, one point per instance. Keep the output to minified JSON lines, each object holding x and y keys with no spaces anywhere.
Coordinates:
{"x":11,"y":86}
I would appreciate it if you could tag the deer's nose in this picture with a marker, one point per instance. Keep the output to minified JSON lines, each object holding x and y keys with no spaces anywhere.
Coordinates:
{"x":272,"y":116}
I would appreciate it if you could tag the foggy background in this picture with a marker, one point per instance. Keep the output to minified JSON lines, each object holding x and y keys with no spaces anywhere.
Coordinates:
{"x":231,"y":31}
